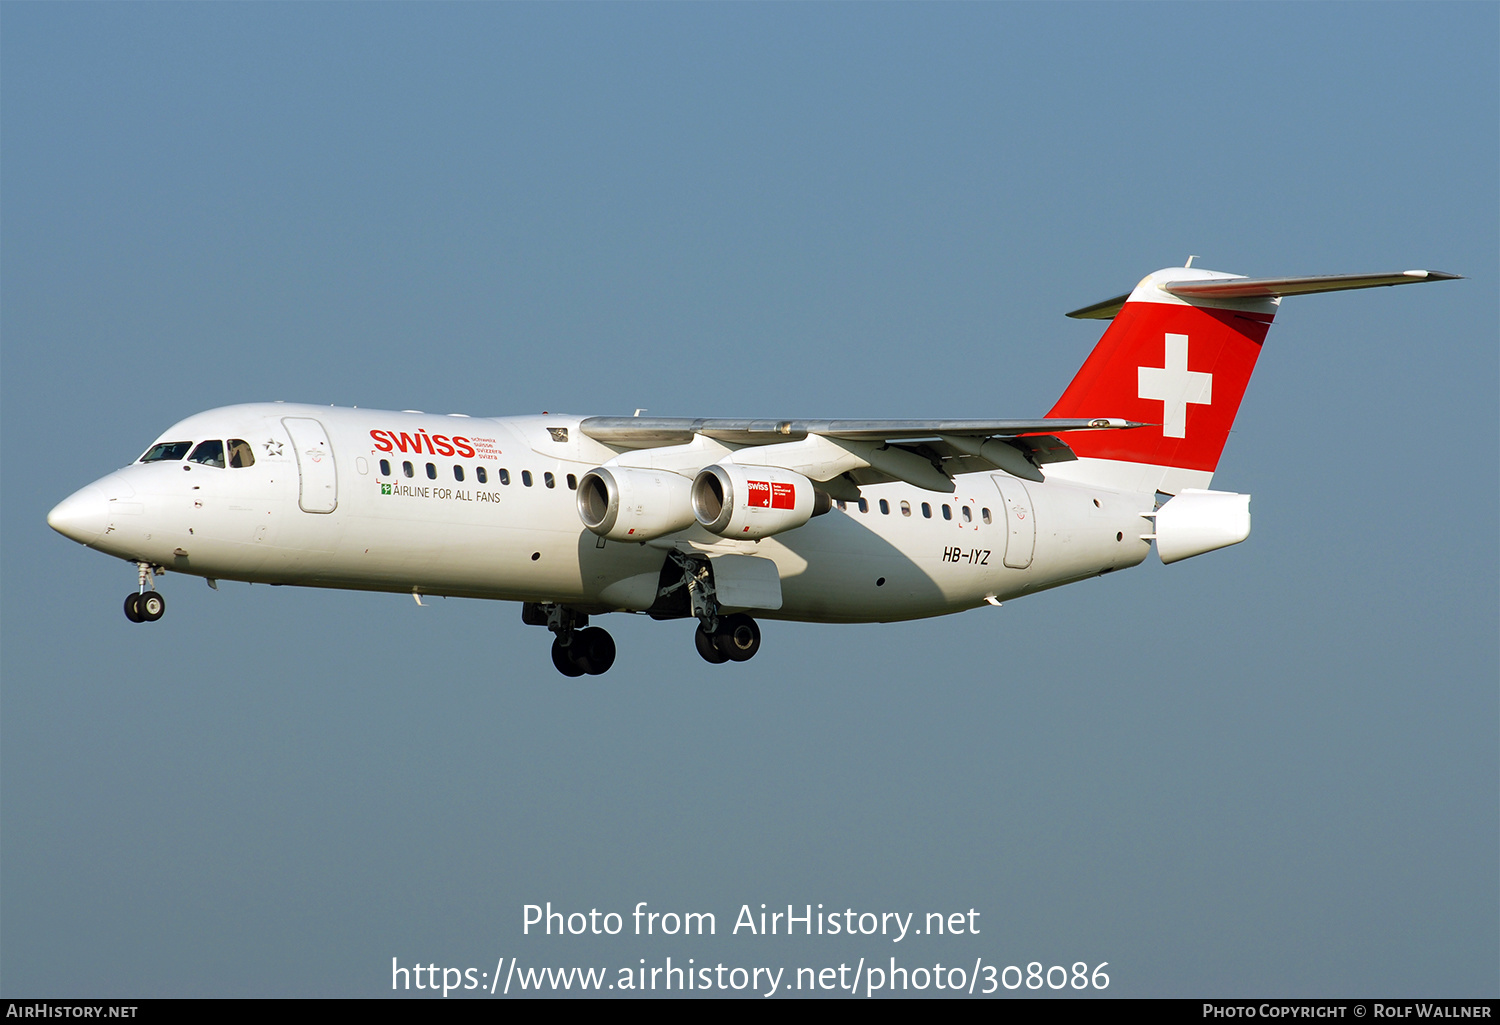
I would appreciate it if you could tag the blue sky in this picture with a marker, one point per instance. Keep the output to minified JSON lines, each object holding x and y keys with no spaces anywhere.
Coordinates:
{"x":1271,"y":770}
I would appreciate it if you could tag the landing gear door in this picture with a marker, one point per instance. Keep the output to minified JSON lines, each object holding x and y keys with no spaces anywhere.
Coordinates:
{"x":320,"y":484}
{"x":746,"y":582}
{"x":1020,"y":522}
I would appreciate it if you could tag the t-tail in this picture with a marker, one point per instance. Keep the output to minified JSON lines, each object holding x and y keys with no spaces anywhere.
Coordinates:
{"x":1178,"y":357}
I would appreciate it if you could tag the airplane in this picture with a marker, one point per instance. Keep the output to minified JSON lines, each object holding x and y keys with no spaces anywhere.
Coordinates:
{"x":722,"y":521}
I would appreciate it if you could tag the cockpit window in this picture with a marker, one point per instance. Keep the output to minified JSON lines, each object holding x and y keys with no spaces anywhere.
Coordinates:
{"x":240,"y":453}
{"x":209,"y":453}
{"x":166,"y":450}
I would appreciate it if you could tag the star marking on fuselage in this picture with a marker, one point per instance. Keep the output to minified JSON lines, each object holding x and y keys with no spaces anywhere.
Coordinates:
{"x":273,"y":447}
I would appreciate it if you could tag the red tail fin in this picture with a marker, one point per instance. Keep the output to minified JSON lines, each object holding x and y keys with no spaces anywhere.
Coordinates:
{"x":1179,"y":356}
{"x":1179,"y":365}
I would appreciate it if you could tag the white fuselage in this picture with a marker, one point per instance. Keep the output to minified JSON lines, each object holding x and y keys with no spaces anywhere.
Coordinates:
{"x":317,"y":508}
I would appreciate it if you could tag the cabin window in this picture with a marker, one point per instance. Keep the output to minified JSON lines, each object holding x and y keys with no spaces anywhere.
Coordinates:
{"x":968,"y":514}
{"x":526,"y":477}
{"x":240,"y":453}
{"x":481,"y":475}
{"x":406,"y":469}
{"x":905,"y":508}
{"x":209,"y":453}
{"x":984,"y":514}
{"x":885,"y":507}
{"x":947,"y":512}
{"x":572,"y":483}
{"x":385,"y":467}
{"x":504,"y":476}
{"x":431,"y":472}
{"x":458,"y":472}
{"x":843,"y":505}
{"x":549,"y":480}
{"x":926,"y":511}
{"x":167,"y":450}
{"x":864,"y":505}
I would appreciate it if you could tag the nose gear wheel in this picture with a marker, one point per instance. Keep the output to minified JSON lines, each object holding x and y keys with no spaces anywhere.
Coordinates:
{"x":145,"y":605}
{"x":151,"y":605}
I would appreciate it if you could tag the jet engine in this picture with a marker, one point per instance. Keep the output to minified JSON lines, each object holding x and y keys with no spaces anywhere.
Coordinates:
{"x":754,"y":501}
{"x":631,"y":504}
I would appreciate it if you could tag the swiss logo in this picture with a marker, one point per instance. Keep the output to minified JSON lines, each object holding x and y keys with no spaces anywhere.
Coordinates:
{"x":1175,"y":387}
{"x":770,"y":495}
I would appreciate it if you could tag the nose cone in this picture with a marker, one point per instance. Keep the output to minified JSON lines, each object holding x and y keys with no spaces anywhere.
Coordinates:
{"x":82,"y":516}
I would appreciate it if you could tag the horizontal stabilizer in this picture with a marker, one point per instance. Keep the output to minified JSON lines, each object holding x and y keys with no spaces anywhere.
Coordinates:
{"x":1265,"y":288}
{"x":1101,"y":311}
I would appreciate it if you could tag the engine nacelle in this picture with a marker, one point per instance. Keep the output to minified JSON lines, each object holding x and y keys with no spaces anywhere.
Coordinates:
{"x":752,"y":501}
{"x":1199,"y":521}
{"x":632,"y":504}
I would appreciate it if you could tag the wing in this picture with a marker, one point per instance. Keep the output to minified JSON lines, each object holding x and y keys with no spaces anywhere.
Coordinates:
{"x":842,"y":454}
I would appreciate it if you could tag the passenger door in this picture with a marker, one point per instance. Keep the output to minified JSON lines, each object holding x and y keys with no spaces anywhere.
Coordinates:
{"x":1020,"y":521}
{"x":315,"y":467}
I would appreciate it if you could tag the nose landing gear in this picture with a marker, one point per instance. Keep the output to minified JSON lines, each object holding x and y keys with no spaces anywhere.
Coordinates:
{"x":146,"y":605}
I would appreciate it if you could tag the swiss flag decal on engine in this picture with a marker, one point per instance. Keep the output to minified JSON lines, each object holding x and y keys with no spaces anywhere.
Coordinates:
{"x":1182,"y":368}
{"x":770,"y":495}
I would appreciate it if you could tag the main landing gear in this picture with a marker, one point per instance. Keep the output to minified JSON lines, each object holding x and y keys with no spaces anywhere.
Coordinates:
{"x":737,"y":639}
{"x":719,"y":638}
{"x":686,"y":589}
{"x":577,"y":648}
{"x":145,"y":605}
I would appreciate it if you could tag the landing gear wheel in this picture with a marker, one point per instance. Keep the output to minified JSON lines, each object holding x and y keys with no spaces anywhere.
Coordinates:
{"x":563,"y":658}
{"x":133,"y":607}
{"x":151,"y":606}
{"x":738,"y":637}
{"x":705,"y":645}
{"x":596,"y":650}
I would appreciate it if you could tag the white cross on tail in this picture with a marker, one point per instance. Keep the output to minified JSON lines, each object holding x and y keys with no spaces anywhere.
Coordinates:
{"x":1174,"y":385}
